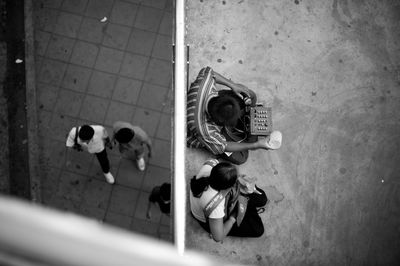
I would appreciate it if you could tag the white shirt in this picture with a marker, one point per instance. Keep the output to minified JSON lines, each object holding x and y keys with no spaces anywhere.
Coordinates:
{"x":95,"y":145}
{"x":197,"y":205}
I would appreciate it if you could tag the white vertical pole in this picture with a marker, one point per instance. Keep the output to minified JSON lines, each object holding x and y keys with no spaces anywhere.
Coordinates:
{"x":179,"y":128}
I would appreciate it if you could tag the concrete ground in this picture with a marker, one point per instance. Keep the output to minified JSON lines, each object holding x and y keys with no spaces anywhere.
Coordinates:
{"x":91,"y":71}
{"x":330,"y":71}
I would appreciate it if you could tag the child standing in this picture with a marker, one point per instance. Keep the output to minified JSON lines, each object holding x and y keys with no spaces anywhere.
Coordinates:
{"x":162,"y":196}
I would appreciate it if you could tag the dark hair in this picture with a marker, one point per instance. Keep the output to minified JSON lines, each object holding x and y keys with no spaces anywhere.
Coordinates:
{"x":124,"y":135}
{"x":165,"y":191}
{"x":222,"y":176}
{"x":226,"y":108}
{"x":86,"y":132}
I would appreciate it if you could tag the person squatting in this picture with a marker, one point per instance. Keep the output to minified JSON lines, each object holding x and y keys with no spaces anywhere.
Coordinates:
{"x":222,"y":201}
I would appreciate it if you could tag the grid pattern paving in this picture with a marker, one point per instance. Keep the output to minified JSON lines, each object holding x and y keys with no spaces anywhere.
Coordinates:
{"x":94,"y":72}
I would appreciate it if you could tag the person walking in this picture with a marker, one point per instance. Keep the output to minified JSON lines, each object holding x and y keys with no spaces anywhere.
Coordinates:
{"x":131,"y":140}
{"x":93,"y":139}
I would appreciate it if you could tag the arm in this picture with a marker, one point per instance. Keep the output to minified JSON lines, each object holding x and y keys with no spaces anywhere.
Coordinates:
{"x":219,"y":230}
{"x":243,"y":146}
{"x":148,"y":212}
{"x":113,"y":140}
{"x":155,"y":192}
{"x":148,"y":144}
{"x":144,"y":138}
{"x":68,"y":147}
{"x":67,"y":160}
{"x":106,"y":139}
{"x":237,"y":88}
{"x":224,"y":81}
{"x":108,"y":143}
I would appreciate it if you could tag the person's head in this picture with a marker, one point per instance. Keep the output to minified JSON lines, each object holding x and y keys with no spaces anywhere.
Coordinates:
{"x":165,"y":192}
{"x":124,"y":135}
{"x":225,"y":109}
{"x":86,"y":133}
{"x":223,"y":176}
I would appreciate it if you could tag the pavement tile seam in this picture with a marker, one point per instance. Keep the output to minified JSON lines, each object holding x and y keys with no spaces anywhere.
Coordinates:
{"x":98,"y":96}
{"x":106,"y":12}
{"x":84,"y":15}
{"x":52,"y":51}
{"x":142,"y":180}
{"x":93,"y":161}
{"x":53,"y":4}
{"x":162,"y":139}
{"x":64,"y":7}
{"x":67,"y":24}
{"x":109,"y":201}
{"x":69,"y":59}
{"x":51,"y":71}
{"x":119,"y":75}
{"x":108,"y":72}
{"x":42,"y":39}
{"x":137,"y":202}
{"x":41,"y":19}
{"x":108,"y":98}
{"x":108,"y":38}
{"x":164,"y":125}
{"x":132,"y":203}
{"x":87,"y":111}
{"x":151,"y":96}
{"x":110,"y":102}
{"x":65,"y":84}
{"x":151,"y":52}
{"x":101,"y":41}
{"x":122,"y":11}
{"x":149,"y":4}
{"x":61,"y":105}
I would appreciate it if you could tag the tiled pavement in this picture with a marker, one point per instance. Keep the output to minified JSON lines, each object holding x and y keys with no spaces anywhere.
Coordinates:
{"x":96,"y":72}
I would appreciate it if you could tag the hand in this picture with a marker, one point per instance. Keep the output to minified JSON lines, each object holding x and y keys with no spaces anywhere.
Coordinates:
{"x":108,"y":144}
{"x":148,"y":215}
{"x":234,"y":212}
{"x":240,"y":88}
{"x":262,"y":143}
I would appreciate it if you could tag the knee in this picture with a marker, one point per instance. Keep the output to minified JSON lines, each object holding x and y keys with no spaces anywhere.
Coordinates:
{"x":259,"y":200}
{"x":263,"y":200}
{"x":259,"y":231}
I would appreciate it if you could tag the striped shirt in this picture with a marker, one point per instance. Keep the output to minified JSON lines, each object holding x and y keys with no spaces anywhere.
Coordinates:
{"x":202,"y":132}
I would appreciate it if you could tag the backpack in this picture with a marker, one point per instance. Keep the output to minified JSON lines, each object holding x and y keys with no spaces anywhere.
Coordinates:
{"x":77,"y":146}
{"x":233,"y":199}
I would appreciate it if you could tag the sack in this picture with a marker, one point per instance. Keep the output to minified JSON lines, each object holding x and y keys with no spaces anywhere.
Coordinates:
{"x":77,"y":146}
{"x":247,"y":184}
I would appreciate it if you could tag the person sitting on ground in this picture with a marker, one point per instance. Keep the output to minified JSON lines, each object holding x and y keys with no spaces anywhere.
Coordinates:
{"x":220,"y":180}
{"x":93,"y":139}
{"x":212,"y":113}
{"x":162,"y":196}
{"x":131,"y":140}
